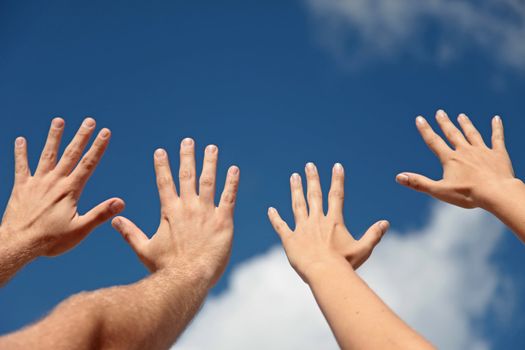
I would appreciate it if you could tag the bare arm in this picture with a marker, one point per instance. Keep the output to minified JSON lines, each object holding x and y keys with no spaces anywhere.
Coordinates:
{"x":187,"y":255}
{"x":41,"y":218}
{"x":474,"y":175}
{"x":324,"y":254}
{"x":149,"y":314}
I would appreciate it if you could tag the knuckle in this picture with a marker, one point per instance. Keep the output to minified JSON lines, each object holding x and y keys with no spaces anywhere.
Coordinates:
{"x":48,"y":155}
{"x":315,"y":194}
{"x":185,"y":174}
{"x":210,"y":159}
{"x":21,"y":168}
{"x":471,"y":134}
{"x":234,"y":184}
{"x":432,"y":140}
{"x":207,"y":181}
{"x":279,"y":226}
{"x":186,"y":151}
{"x":337,"y":194}
{"x":299,"y":205}
{"x":165,"y":213}
{"x":72,"y":153}
{"x":88,"y":163}
{"x":164,"y":181}
{"x":229,"y":197}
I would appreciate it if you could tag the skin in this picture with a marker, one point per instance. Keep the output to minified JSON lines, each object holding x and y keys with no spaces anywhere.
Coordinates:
{"x":324,"y":253}
{"x":186,"y":257}
{"x":41,"y":217}
{"x":474,"y":175}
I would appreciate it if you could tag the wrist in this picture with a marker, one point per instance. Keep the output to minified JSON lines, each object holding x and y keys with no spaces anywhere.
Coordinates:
{"x":498,"y":193}
{"x":318,"y":271}
{"x":18,"y":243}
{"x":184,"y":270}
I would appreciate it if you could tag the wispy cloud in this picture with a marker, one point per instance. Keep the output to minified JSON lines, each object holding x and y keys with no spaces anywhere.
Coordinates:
{"x":440,"y":279}
{"x":441,"y":30}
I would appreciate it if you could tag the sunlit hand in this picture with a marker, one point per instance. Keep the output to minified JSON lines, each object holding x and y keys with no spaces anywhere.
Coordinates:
{"x":320,"y":238}
{"x":472,"y":172}
{"x":193,"y":233}
{"x":42,"y":212}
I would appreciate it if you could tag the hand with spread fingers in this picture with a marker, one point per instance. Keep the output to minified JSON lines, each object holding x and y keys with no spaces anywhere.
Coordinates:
{"x":193,"y":232}
{"x":41,"y":218}
{"x":474,"y":175}
{"x":317,"y":237}
{"x":471,"y":170}
{"x":325,"y":255}
{"x":186,"y":256}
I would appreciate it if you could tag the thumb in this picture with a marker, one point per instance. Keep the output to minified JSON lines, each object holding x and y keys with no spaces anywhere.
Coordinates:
{"x":418,"y":182}
{"x":101,"y":213}
{"x":371,"y":238}
{"x":131,"y":233}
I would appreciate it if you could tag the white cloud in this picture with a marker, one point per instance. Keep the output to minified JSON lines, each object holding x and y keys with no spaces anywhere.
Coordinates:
{"x":356,"y":30}
{"x":440,"y":279}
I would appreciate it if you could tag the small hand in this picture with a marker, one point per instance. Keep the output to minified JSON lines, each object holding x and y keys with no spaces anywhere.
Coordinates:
{"x":471,"y":171}
{"x":42,"y":211}
{"x":320,"y":238}
{"x":193,"y":233}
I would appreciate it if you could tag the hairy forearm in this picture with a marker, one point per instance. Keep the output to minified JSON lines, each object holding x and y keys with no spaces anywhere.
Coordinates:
{"x":15,"y":253}
{"x":506,"y":201}
{"x":150,"y":314}
{"x":357,"y":316}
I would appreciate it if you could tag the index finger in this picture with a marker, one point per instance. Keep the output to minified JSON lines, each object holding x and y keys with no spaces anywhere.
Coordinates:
{"x":433,"y":140}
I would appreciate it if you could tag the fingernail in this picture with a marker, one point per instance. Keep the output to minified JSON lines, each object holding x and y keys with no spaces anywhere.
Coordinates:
{"x":497,"y":118}
{"x":89,"y":122}
{"x":402,"y":179}
{"x":271,"y":210}
{"x":116,"y":222}
{"x":420,"y":120}
{"x":384,"y":225}
{"x":19,"y":142}
{"x":116,"y":206}
{"x":187,"y":141}
{"x":104,"y":133}
{"x":160,"y":153}
{"x":310,"y":167}
{"x":462,"y":117}
{"x":440,"y":114}
{"x":57,"y":123}
{"x":338,"y":168}
{"x":295,"y":178}
{"x":234,"y":170}
{"x":211,"y":149}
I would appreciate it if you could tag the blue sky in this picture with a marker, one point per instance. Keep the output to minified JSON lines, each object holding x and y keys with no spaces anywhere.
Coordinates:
{"x":274,"y":85}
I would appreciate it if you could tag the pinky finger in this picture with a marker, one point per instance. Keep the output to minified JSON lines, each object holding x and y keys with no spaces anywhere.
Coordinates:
{"x":279,"y":225}
{"x":21,"y":164}
{"x":229,"y":194}
{"x":498,"y":135}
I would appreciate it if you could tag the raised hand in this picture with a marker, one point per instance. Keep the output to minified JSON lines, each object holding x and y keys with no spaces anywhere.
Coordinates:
{"x":41,"y":218}
{"x":320,"y":238}
{"x":193,"y":234}
{"x":472,"y":172}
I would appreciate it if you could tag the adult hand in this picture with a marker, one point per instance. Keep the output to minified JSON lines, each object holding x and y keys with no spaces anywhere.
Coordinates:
{"x":42,"y":216}
{"x":472,"y":172}
{"x":193,"y":233}
{"x":319,"y":238}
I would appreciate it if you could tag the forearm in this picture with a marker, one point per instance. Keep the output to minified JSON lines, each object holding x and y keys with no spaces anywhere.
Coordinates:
{"x":357,"y":316}
{"x":15,"y":253}
{"x":150,"y":314}
{"x":506,"y":201}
